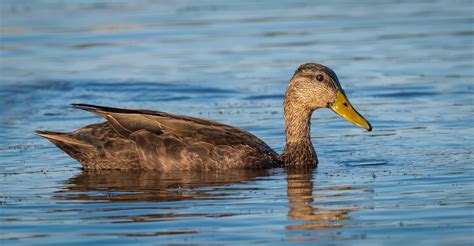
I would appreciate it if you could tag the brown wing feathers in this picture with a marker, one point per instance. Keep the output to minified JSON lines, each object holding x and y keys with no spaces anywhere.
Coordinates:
{"x":146,"y":139}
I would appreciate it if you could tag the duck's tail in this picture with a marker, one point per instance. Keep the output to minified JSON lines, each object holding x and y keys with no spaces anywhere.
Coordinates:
{"x":59,"y":138}
{"x":80,"y":150}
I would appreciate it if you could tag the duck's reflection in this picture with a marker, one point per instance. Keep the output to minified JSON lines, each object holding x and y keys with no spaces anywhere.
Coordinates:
{"x":301,"y":203}
{"x":191,"y":186}
{"x":153,"y":186}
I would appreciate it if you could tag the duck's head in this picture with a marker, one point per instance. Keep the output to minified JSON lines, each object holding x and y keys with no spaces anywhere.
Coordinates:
{"x":316,"y":86}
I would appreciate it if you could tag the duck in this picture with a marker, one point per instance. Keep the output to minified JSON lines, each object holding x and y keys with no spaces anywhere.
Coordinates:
{"x":138,"y":139}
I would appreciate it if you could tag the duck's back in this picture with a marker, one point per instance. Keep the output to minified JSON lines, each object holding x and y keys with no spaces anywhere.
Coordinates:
{"x":144,"y":139}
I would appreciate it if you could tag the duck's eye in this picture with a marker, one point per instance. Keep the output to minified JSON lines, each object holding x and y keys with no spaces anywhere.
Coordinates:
{"x":320,"y":77}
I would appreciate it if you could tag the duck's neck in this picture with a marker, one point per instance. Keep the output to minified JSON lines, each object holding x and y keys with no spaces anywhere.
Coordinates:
{"x":298,"y":149}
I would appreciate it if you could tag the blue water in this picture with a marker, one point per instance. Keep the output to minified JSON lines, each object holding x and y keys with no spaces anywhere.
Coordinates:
{"x":407,"y":67}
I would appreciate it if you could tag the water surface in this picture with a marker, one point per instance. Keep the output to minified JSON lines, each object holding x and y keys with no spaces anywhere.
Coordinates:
{"x":407,"y":67}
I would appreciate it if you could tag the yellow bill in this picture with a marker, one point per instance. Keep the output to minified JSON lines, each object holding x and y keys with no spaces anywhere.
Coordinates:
{"x":343,"y":108}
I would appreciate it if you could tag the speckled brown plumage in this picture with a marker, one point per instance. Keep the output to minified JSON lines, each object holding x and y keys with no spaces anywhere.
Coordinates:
{"x":153,"y":140}
{"x":305,"y":93}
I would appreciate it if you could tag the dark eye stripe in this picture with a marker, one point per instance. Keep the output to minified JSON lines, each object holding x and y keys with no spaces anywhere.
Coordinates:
{"x":319,"y":77}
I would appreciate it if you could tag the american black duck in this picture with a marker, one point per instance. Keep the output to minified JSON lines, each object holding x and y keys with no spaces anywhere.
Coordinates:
{"x":154,"y":140}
